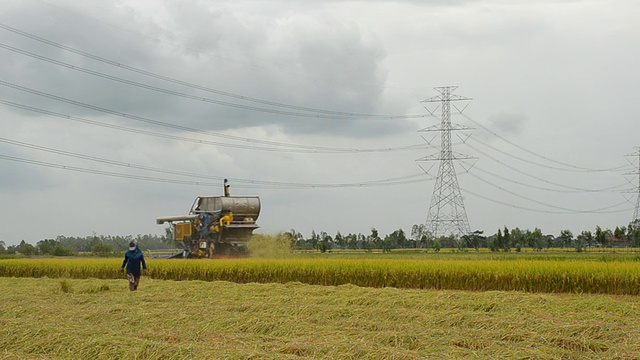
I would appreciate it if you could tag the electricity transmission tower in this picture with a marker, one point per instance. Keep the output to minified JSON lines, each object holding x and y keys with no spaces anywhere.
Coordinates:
{"x":635,"y":222}
{"x":447,"y":215}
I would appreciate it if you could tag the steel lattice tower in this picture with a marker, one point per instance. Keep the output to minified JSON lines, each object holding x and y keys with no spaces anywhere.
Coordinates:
{"x":447,"y":215}
{"x":636,"y":213}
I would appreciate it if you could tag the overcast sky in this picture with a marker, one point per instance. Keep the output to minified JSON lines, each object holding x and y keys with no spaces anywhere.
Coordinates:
{"x":113,"y":113}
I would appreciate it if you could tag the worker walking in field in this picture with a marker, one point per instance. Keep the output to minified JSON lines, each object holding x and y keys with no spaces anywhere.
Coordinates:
{"x":133,"y":258}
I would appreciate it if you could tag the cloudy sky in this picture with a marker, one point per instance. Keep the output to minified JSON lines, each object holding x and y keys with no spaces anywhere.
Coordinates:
{"x":113,"y":113}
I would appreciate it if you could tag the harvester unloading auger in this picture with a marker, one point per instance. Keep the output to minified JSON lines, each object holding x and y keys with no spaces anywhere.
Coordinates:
{"x":216,"y":225}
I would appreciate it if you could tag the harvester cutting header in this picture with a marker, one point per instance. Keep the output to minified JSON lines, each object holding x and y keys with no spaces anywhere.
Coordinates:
{"x":216,"y":225}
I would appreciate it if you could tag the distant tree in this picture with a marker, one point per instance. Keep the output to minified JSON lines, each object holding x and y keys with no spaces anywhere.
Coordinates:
{"x":168,"y":237}
{"x":401,"y":238}
{"x":60,"y":250}
{"x":352,"y":241}
{"x":599,"y":236}
{"x":26,"y":249}
{"x":608,"y":236}
{"x":373,"y":240}
{"x":396,"y":239}
{"x":499,"y":240}
{"x":437,"y":245}
{"x":474,"y":240}
{"x":340,"y":240}
{"x":326,"y":242}
{"x":635,"y":237}
{"x":46,"y":246}
{"x":323,"y":247}
{"x":548,"y":241}
{"x":585,"y":238}
{"x":620,"y":233}
{"x":423,"y":243}
{"x":506,"y":240}
{"x":566,"y":238}
{"x":517,"y":238}
{"x":387,"y":244}
{"x":314,"y":240}
{"x":534,"y":239}
{"x":495,"y":241}
{"x":101,"y":249}
{"x":418,"y":232}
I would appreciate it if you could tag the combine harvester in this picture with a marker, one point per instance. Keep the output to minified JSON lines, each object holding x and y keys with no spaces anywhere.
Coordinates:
{"x":216,"y":225}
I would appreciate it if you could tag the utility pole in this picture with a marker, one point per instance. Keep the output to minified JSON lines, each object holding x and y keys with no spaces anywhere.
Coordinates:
{"x":447,"y":215}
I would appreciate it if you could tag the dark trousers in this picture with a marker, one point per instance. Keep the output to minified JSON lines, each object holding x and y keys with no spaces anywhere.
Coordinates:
{"x":133,"y":281}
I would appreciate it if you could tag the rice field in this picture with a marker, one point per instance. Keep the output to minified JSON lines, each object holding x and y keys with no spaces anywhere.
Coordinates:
{"x":325,"y":306}
{"x":525,"y":274}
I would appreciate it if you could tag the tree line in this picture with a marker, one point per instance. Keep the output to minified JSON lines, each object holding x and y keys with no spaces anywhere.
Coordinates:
{"x":504,"y":239}
{"x":94,"y":244}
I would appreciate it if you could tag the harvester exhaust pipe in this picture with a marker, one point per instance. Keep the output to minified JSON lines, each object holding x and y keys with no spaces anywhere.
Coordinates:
{"x":227,"y":193}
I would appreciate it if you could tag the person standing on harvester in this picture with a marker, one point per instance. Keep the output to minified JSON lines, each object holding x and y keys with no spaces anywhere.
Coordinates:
{"x":132,"y":259}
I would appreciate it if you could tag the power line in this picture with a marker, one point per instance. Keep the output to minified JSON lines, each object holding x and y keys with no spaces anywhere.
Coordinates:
{"x":311,"y":148}
{"x":542,"y":156}
{"x":537,"y":210}
{"x":184,"y":83}
{"x":494,"y":174}
{"x":143,"y":132}
{"x":532,"y":162}
{"x":198,"y":98}
{"x":174,"y":137}
{"x":539,"y":178}
{"x":543,"y":203}
{"x":390,"y":181}
{"x":227,"y":59}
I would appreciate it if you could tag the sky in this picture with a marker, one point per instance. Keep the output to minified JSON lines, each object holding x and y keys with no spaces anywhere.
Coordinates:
{"x":116,"y":112}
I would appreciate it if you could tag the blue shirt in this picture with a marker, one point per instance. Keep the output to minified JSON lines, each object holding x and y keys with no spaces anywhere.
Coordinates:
{"x":133,"y":259}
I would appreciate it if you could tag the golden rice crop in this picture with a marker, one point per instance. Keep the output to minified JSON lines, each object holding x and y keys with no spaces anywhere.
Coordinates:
{"x":475,"y":275}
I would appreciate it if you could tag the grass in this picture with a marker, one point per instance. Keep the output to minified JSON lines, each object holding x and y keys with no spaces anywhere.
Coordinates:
{"x":101,"y":319}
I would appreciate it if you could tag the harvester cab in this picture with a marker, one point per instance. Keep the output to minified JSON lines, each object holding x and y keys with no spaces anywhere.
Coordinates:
{"x":216,"y":225}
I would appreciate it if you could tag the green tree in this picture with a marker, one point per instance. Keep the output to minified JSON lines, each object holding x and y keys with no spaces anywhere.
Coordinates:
{"x":46,"y":246}
{"x":418,"y":232}
{"x":566,"y":238}
{"x":314,"y":240}
{"x":475,"y":239}
{"x":101,"y":249}
{"x":506,"y":240}
{"x":635,"y":237}
{"x":326,"y":242}
{"x":499,"y":240}
{"x":396,"y":239}
{"x":608,"y":237}
{"x":517,"y":238}
{"x":26,"y":249}
{"x":340,"y":240}
{"x":620,"y":233}
{"x":600,"y":236}
{"x":534,"y":239}
{"x":585,"y":238}
{"x":352,"y":241}
{"x":60,"y":250}
{"x":496,"y":241}
{"x":374,"y":240}
{"x":437,"y":245}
